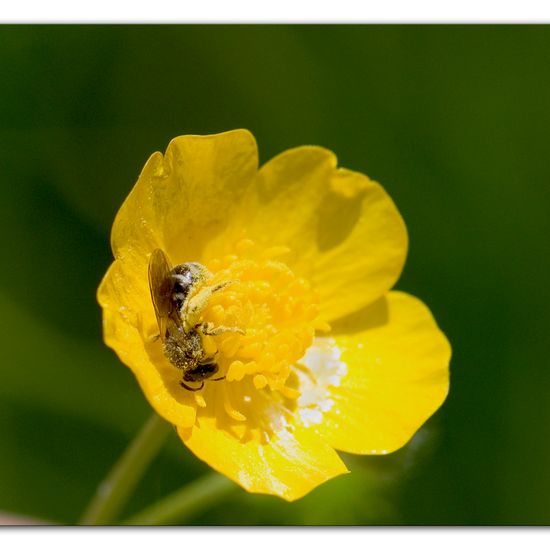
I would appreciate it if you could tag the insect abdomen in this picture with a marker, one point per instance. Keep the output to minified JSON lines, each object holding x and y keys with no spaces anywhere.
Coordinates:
{"x":185,"y":351}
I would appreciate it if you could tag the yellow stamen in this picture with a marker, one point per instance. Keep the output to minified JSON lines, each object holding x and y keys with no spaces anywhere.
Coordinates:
{"x":214,"y":264}
{"x":200,"y":400}
{"x":218,"y":313}
{"x":229,"y":259}
{"x":229,"y":346}
{"x":321,"y":326}
{"x":251,"y":367}
{"x":251,"y":351}
{"x":268,"y":318}
{"x":244,"y":245}
{"x":234,"y":414}
{"x":274,"y":251}
{"x":260,"y":381}
{"x":289,"y":392}
{"x":209,"y":346}
{"x":235,"y":371}
{"x":307,"y":371}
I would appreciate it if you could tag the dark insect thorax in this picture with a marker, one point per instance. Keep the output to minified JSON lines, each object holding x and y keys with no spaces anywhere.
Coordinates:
{"x":182,"y":280}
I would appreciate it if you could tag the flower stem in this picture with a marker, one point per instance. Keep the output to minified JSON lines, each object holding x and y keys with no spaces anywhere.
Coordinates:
{"x":184,"y":503}
{"x":114,"y":491}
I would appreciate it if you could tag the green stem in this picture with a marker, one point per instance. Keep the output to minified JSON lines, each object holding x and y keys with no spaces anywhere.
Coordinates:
{"x":114,"y":491}
{"x":184,"y":503}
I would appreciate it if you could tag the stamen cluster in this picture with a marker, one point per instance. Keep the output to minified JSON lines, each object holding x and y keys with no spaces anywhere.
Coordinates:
{"x":276,"y":310}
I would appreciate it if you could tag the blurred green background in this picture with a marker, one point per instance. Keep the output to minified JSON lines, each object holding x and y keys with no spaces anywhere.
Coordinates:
{"x":453,"y":120}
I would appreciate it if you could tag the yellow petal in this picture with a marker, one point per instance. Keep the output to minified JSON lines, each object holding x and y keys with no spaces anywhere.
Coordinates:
{"x":369,"y":257}
{"x":125,"y":327}
{"x":344,"y":232}
{"x":179,"y":201}
{"x":398,"y":376}
{"x":186,"y":197}
{"x":289,"y":465}
{"x":281,"y":208}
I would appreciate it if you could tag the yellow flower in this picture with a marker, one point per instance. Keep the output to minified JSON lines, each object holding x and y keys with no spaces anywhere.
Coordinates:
{"x":318,"y":354}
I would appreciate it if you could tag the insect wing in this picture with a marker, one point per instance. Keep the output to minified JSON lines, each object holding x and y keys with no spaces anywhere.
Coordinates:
{"x":160,"y":286}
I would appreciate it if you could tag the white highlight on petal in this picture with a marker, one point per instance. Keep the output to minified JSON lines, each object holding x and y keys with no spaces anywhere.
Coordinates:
{"x":311,"y":416}
{"x":322,"y":359}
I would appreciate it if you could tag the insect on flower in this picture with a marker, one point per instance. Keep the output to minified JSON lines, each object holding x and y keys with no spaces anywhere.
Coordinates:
{"x":254,"y":307}
{"x":178,"y":310}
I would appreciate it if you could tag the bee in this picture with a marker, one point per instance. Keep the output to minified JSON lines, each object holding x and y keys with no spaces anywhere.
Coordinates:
{"x":179,"y":300}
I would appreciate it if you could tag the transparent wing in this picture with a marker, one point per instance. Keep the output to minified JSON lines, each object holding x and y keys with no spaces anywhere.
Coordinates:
{"x":160,"y":285}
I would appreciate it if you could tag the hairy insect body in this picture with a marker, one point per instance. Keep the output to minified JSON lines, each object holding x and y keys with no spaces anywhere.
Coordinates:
{"x":179,"y":300}
{"x":185,"y":351}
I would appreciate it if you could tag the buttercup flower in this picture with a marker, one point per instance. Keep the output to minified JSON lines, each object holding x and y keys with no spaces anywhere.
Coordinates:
{"x":313,"y":351}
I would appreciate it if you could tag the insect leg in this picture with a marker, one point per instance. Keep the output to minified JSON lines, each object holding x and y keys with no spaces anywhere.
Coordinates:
{"x":208,"y":329}
{"x":220,"y":286}
{"x":184,"y":385}
{"x":195,"y":306}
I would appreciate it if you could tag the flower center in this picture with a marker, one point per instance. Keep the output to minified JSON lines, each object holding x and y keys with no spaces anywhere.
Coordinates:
{"x":276,"y":311}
